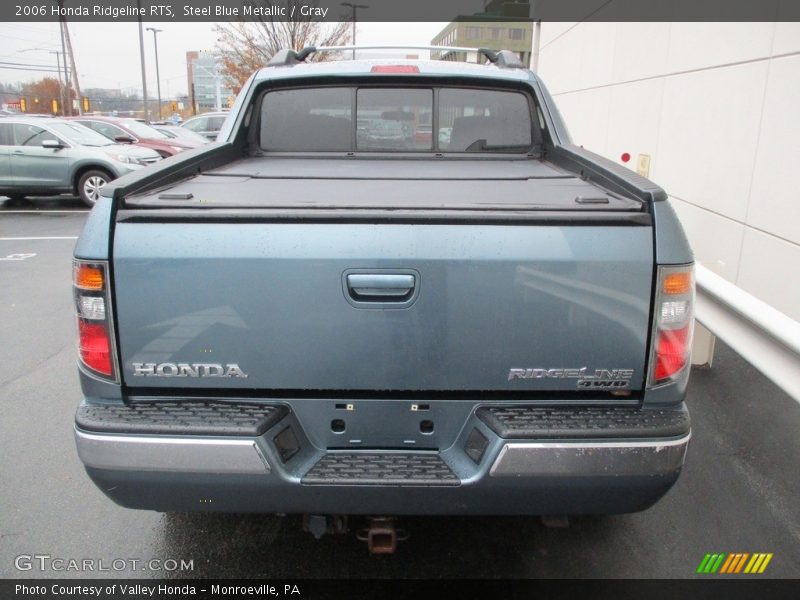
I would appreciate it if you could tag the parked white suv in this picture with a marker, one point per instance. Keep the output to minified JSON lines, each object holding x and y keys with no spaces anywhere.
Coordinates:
{"x":207,"y":125}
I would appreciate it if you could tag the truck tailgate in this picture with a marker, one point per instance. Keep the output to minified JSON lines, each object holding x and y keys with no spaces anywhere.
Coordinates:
{"x":432,"y":307}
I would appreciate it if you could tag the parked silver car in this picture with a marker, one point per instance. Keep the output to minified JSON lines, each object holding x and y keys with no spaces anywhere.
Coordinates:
{"x":207,"y":125}
{"x":46,"y":157}
{"x":181,"y":134}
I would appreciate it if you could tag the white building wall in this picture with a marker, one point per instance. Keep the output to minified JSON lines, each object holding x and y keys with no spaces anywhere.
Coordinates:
{"x":717,"y":108}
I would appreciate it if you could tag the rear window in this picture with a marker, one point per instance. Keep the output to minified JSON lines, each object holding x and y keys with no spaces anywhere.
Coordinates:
{"x":391,"y":119}
{"x":375,"y":119}
{"x":307,"y":120}
{"x":215,"y":123}
{"x":484,"y":121}
{"x":143,"y":130}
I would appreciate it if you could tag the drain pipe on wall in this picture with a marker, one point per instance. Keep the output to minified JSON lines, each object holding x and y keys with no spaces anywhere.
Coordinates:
{"x":537,"y":35}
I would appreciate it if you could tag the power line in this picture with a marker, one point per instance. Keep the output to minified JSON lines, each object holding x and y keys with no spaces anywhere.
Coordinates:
{"x":26,"y":69}
{"x":23,"y":64}
{"x":20,"y":52}
{"x":28,"y":27}
{"x":35,"y":62}
{"x":22,"y":39}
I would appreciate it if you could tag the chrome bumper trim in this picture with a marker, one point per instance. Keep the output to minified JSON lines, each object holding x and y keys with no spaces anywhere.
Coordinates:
{"x":170,"y":454}
{"x":590,"y":459}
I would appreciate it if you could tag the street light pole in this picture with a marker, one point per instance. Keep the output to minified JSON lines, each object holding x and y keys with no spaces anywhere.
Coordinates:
{"x":354,"y":7}
{"x":68,"y":88}
{"x":158,"y":77}
{"x":141,"y":57}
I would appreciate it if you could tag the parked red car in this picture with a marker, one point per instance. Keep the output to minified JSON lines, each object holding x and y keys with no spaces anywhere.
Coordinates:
{"x":132,"y":131}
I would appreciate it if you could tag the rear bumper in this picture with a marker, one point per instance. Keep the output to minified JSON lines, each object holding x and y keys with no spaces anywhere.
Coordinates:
{"x":654,"y":458}
{"x":256,"y":473}
{"x":171,"y":454}
{"x":219,"y":456}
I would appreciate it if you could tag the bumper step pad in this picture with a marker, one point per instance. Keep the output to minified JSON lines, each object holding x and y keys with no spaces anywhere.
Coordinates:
{"x":381,"y":468}
{"x":535,"y":422}
{"x":180,"y":418}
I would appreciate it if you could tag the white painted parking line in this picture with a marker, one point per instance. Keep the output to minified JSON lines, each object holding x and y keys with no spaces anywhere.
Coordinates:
{"x":26,"y":239}
{"x":18,"y":257}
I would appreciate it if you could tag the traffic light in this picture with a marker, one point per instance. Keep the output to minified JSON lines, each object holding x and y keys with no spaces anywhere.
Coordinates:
{"x":54,"y":106}
{"x":23,"y":105}
{"x":174,"y":106}
{"x":87,"y":106}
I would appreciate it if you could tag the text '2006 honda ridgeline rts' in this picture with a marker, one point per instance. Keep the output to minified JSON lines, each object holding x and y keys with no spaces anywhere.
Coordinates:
{"x":392,"y":287}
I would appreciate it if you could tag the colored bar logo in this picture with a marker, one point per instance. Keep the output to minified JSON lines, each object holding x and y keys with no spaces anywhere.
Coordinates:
{"x":734,"y":563}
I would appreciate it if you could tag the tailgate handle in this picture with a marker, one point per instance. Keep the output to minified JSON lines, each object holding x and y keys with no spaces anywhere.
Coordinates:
{"x":380,"y":287}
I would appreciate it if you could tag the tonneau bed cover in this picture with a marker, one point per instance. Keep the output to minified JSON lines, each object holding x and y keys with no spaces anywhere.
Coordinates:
{"x":416,"y":184}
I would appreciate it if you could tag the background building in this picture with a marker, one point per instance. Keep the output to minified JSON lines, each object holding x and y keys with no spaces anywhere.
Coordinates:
{"x":206,"y":84}
{"x":495,"y":28}
{"x":709,"y":111}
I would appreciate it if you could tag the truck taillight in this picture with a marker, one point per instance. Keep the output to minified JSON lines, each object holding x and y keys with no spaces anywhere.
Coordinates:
{"x":96,"y":347}
{"x":673,"y":324}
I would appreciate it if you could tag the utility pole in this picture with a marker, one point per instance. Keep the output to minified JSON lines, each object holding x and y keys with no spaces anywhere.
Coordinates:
{"x":66,"y":111}
{"x":71,"y":55}
{"x":60,"y":82}
{"x":141,"y":57}
{"x":158,"y":77}
{"x":354,"y":7}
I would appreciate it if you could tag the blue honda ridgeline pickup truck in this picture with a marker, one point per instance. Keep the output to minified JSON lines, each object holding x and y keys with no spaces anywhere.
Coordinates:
{"x":390,"y":288}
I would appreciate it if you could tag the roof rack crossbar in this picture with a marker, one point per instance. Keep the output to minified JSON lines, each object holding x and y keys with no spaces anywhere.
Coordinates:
{"x":501,"y":58}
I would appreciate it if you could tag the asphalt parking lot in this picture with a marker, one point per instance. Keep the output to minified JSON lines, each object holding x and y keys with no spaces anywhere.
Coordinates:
{"x":738,"y":493}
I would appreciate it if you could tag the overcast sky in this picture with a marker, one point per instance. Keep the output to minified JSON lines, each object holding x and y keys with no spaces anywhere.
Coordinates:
{"x":107,"y":54}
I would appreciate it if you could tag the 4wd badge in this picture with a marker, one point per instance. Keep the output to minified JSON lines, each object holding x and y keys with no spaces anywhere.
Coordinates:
{"x":597,"y":379}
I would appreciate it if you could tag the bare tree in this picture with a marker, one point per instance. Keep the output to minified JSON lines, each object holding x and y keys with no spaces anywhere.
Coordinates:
{"x":247,"y":46}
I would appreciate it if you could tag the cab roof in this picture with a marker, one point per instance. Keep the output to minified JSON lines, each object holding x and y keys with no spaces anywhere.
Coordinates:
{"x":363,"y":67}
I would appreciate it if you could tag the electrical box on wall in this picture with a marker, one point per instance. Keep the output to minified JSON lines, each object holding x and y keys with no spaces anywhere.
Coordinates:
{"x":643,"y":165}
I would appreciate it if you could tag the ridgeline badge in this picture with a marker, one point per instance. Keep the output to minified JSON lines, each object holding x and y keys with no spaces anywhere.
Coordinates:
{"x":599,"y":379}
